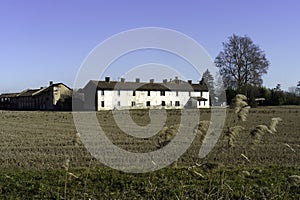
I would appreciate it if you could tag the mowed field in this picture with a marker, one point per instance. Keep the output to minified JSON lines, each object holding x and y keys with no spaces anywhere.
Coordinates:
{"x":35,"y":145}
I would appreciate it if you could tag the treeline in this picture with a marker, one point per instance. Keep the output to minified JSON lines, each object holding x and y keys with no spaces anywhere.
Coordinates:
{"x":265,"y":96}
{"x":242,"y":64}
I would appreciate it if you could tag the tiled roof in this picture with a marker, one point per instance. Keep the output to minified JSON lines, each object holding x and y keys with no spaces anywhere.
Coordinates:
{"x":8,"y":95}
{"x":47,"y":88}
{"x":143,"y":86}
{"x":28,"y":93}
{"x":31,"y":92}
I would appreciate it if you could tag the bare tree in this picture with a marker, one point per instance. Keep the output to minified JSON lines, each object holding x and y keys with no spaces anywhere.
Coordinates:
{"x":241,"y":63}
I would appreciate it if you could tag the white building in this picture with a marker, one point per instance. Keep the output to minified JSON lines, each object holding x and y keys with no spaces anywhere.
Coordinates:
{"x":176,"y":94}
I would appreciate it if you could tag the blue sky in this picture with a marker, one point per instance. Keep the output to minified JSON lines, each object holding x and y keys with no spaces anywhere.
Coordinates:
{"x":48,"y":40}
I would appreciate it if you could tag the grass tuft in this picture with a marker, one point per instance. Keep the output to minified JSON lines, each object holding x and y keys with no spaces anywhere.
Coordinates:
{"x":76,"y":139}
{"x":275,"y":121}
{"x":167,"y":134}
{"x":241,"y":107}
{"x":261,"y":130}
{"x":232,"y":134}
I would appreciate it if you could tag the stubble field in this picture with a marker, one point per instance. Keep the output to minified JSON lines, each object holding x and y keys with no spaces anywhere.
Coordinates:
{"x":36,"y":145}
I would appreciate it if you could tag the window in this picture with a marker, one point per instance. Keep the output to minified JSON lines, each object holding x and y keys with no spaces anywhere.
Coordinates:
{"x":102,"y":92}
{"x":119,"y":103}
{"x":148,"y":103}
{"x":149,"y":93}
{"x":133,"y":103}
{"x":102,"y":104}
{"x":170,"y":103}
{"x":201,"y":94}
{"x":177,"y":93}
{"x":162,"y":93}
{"x":177,"y":103}
{"x":119,"y":92}
{"x":133,"y":94}
{"x":163,"y":103}
{"x":204,"y":103}
{"x":189,"y":93}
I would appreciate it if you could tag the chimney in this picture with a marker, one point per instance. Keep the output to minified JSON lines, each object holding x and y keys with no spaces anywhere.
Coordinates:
{"x":51,"y":83}
{"x":107,"y":79}
{"x":190,"y":82}
{"x":122,"y":80}
{"x":137,"y":80}
{"x":165,"y":80}
{"x":176,"y":80}
{"x":151,"y":80}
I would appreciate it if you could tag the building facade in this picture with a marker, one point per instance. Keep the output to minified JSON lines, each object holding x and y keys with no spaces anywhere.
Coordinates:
{"x":175,"y":94}
{"x":53,"y":97}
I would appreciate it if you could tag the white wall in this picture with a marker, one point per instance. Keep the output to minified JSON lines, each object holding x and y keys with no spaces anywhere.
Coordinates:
{"x":114,"y":99}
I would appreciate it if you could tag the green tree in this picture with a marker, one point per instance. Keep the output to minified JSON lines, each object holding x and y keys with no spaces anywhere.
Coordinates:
{"x":277,"y":96}
{"x":297,"y":91}
{"x":230,"y":94}
{"x":241,"y":63}
{"x":208,"y":79}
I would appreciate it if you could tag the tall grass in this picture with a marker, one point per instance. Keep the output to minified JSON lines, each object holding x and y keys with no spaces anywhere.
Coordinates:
{"x":241,"y":109}
{"x":261,"y":130}
{"x":232,"y":133}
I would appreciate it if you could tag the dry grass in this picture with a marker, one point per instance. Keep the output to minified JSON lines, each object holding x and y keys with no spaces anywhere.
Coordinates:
{"x":76,"y":139}
{"x":241,"y":107}
{"x":242,"y":115}
{"x":275,"y":121}
{"x":232,"y":133}
{"x":261,"y":130}
{"x":291,"y":148}
{"x":202,"y":128}
{"x":43,"y":140}
{"x":167,"y":134}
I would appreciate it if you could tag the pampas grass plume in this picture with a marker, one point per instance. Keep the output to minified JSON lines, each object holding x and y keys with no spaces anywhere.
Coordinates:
{"x":167,"y":134}
{"x":232,"y":133}
{"x":259,"y":131}
{"x":241,"y":107}
{"x":202,"y":128}
{"x":76,"y":139}
{"x":275,"y":121}
{"x":242,"y":115}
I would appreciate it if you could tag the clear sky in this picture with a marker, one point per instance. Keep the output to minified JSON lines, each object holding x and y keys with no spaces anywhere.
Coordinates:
{"x":48,"y":40}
